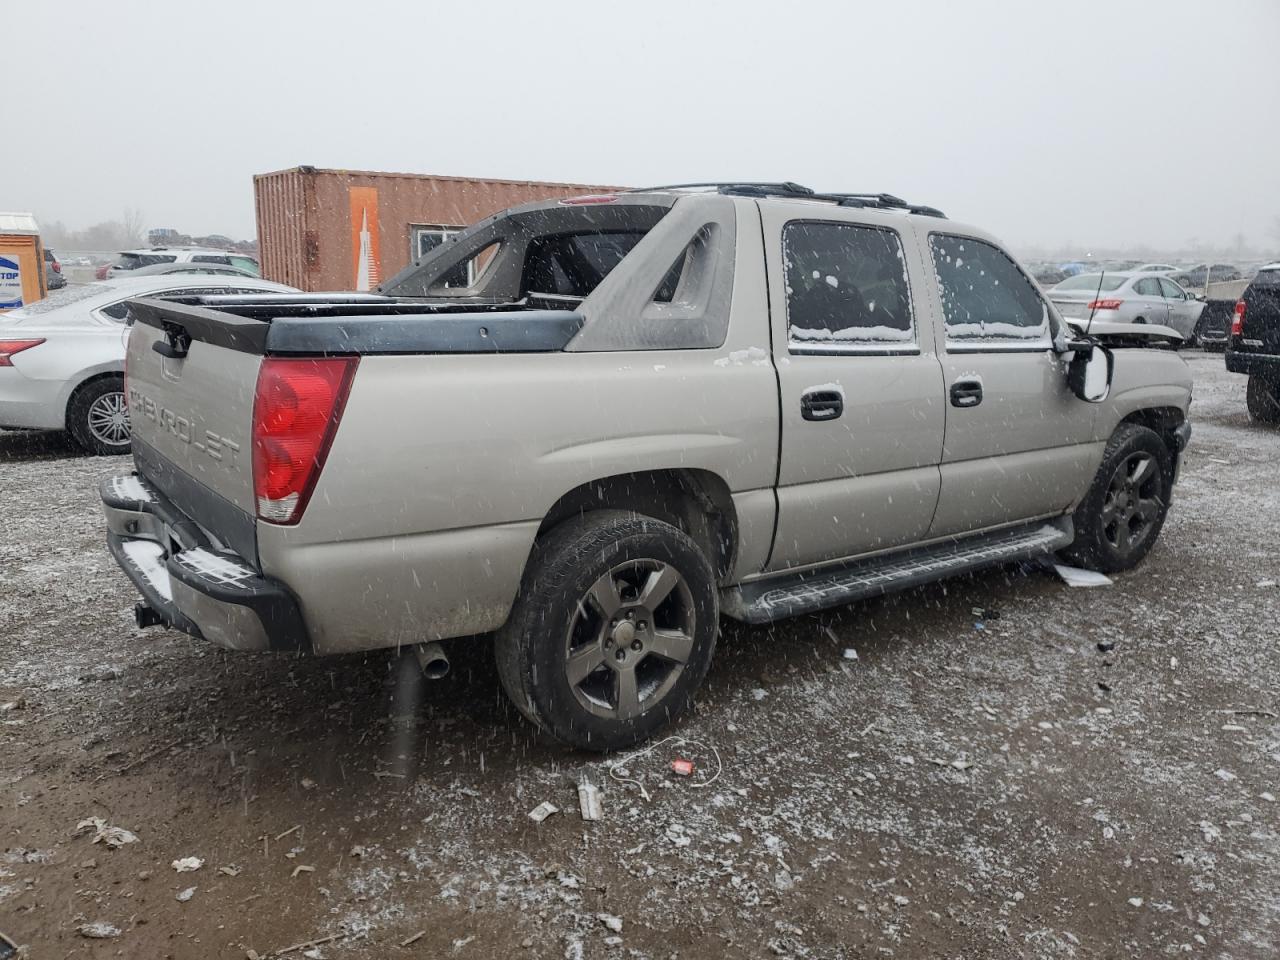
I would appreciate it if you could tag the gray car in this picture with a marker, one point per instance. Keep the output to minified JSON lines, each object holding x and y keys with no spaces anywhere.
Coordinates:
{"x":1131,"y":297}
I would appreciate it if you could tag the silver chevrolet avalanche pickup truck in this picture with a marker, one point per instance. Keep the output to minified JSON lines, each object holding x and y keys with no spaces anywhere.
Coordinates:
{"x":588,"y":428}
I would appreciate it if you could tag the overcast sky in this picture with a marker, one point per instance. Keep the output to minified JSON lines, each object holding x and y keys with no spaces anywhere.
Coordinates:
{"x":1088,"y":122}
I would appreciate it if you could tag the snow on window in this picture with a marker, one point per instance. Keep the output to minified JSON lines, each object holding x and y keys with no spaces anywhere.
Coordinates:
{"x":846,"y":284}
{"x":985,"y":297}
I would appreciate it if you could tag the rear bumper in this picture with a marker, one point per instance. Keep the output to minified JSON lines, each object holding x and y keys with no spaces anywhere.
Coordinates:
{"x":30,"y":404}
{"x":1252,"y":363}
{"x":191,"y":584}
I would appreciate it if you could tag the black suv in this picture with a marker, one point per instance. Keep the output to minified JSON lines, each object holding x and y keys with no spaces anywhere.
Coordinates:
{"x":1254,"y":346}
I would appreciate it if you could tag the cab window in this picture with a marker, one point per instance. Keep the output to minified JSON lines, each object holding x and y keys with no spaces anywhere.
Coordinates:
{"x":846,"y":287}
{"x":987,"y":301}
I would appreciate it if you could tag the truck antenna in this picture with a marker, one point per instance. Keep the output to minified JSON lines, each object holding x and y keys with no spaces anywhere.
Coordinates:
{"x":1093,"y":307}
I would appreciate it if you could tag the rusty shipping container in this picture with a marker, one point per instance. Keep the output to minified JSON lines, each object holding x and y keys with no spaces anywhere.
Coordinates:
{"x":350,"y":229}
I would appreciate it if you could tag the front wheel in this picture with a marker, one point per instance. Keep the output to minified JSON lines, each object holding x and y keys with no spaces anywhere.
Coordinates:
{"x":1120,"y":517}
{"x":1262,"y":397}
{"x":98,"y":417}
{"x":612,"y":632}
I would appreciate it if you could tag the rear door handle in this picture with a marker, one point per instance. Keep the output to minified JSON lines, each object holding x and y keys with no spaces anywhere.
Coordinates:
{"x":821,"y":405}
{"x":966,"y":393}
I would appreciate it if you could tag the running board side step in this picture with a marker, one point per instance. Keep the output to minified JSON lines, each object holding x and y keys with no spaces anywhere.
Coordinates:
{"x":788,"y":595}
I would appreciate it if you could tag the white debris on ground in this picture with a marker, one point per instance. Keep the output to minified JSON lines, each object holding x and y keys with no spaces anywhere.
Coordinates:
{"x":1076,"y":577}
{"x":113,"y":837}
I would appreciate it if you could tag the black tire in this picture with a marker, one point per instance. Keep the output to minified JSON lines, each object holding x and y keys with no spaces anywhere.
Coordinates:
{"x":1120,"y":517}
{"x":94,"y":417}
{"x":1262,"y":396}
{"x":560,"y":622}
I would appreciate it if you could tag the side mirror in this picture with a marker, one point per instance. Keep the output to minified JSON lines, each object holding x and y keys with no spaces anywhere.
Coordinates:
{"x":1089,"y":373}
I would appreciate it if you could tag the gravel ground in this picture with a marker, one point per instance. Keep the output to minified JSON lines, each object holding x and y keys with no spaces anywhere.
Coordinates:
{"x":1087,"y":774}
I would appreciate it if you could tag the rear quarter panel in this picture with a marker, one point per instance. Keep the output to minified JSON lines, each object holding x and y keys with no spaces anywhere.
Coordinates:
{"x":443,"y":468}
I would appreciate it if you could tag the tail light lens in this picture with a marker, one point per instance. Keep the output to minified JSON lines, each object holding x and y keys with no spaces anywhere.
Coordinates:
{"x":295,"y":414}
{"x":1237,"y":320}
{"x":9,"y":347}
{"x":1104,"y":305}
{"x":57,"y":267}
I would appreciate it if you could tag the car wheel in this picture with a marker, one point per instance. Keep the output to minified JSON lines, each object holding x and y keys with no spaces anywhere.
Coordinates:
{"x":98,"y":417}
{"x":1118,"y":521}
{"x":612,"y":632}
{"x":1262,"y":397}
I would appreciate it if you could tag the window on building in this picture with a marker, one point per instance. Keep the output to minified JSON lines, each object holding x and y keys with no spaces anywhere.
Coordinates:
{"x":986,"y":299}
{"x":846,"y":285}
{"x":426,"y":239}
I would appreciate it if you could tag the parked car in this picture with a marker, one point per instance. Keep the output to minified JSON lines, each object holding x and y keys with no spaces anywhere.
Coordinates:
{"x":1254,"y":347}
{"x":130,"y":260}
{"x":1128,"y":298}
{"x":53,"y":271}
{"x":62,"y":359}
{"x":1220,"y":298}
{"x":1165,"y":268}
{"x":753,"y":400}
{"x":1197,"y":277}
{"x":201,"y":268}
{"x":1048,"y":276}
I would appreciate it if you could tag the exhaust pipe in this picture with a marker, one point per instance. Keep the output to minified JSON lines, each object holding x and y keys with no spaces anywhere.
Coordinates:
{"x":432,"y":659}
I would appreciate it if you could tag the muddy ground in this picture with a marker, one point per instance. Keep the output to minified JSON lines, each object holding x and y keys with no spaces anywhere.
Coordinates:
{"x":969,"y":786}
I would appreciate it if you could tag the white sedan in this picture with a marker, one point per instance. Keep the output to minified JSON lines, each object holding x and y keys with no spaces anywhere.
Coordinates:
{"x":62,"y":359}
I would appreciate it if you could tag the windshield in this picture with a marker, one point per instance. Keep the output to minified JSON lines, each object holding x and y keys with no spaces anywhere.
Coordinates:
{"x":1093,"y":281}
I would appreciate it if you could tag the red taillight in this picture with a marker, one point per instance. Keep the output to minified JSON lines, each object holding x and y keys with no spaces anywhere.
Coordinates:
{"x":1237,"y":320}
{"x":9,"y":347}
{"x":1104,"y":305}
{"x":295,"y":414}
{"x":57,"y":267}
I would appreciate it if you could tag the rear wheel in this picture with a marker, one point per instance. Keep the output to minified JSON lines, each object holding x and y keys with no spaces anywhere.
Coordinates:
{"x":98,"y":417}
{"x":613,"y":630}
{"x":1262,"y":397}
{"x":1119,"y":519}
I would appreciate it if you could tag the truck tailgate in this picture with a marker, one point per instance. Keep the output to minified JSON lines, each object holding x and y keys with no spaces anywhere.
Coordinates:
{"x":191,"y":375}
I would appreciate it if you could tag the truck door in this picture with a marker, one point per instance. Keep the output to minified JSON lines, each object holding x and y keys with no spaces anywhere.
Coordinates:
{"x":861,"y":386}
{"x":1018,"y":442}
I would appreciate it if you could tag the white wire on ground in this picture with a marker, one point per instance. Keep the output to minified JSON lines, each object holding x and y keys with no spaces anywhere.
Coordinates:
{"x":625,"y":763}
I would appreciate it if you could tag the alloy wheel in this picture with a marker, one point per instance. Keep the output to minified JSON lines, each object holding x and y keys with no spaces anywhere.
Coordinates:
{"x":630,"y":638}
{"x":1132,"y":505}
{"x":109,"y":419}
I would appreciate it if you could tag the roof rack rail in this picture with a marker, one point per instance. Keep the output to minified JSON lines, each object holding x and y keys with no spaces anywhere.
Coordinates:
{"x":740,"y":188}
{"x":787,"y":188}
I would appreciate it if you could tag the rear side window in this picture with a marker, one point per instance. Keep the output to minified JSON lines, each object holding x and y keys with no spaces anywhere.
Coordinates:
{"x":211,"y":258}
{"x":1147,"y":287}
{"x":132,"y":261}
{"x":846,"y":285}
{"x":986,"y":300}
{"x":1093,"y":281}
